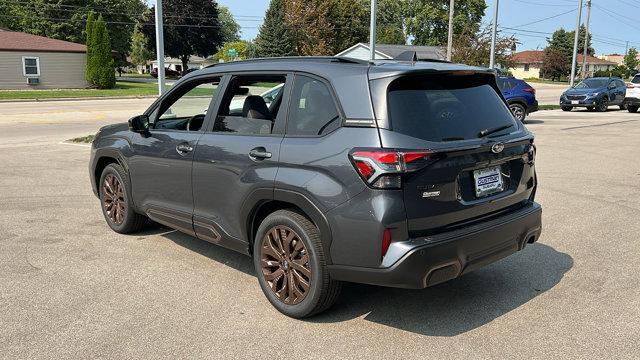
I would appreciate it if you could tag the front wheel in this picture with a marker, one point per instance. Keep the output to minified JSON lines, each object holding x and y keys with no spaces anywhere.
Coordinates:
{"x":518,"y":111}
{"x":117,"y":205}
{"x":603,"y":105}
{"x":623,"y":106}
{"x":290,"y":264}
{"x":567,"y":108}
{"x":632,"y":108}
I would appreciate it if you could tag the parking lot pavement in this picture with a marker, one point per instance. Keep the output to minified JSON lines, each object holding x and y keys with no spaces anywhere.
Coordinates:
{"x":548,"y":94}
{"x":71,"y":288}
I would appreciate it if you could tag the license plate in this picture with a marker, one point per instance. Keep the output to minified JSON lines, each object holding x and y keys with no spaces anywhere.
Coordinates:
{"x":575,"y":102}
{"x":488,"y":181}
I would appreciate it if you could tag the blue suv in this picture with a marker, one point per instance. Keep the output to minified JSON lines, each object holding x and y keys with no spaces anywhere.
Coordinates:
{"x":520,"y":96}
{"x":595,"y":94}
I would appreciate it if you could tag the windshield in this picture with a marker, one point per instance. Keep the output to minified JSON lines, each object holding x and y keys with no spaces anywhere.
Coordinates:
{"x":592,"y":83}
{"x":447,"y":108}
{"x":636,"y":79}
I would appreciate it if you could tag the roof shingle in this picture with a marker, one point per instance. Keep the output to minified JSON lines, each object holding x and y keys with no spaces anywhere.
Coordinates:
{"x":18,"y":41}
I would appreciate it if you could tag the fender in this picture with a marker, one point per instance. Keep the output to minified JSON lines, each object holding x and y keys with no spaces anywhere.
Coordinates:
{"x":262,"y":196}
{"x":115,"y":147}
{"x":313,"y":212}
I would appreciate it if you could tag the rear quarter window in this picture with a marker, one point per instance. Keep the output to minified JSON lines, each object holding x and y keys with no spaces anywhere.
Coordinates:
{"x":446,"y":108}
{"x":636,"y":79}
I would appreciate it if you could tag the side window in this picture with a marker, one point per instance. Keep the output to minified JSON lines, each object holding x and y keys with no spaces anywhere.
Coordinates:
{"x":185,"y":108}
{"x":251,"y":104}
{"x":613,"y":84}
{"x":312,"y":110}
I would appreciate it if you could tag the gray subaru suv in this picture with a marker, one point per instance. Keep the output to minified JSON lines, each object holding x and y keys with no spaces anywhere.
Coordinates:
{"x":326,"y":170}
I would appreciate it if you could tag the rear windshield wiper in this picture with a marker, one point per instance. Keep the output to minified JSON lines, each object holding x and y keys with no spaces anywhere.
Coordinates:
{"x":487,"y":132}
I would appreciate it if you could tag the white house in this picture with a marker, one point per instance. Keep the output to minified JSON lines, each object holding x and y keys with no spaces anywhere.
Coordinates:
{"x":384,"y":51}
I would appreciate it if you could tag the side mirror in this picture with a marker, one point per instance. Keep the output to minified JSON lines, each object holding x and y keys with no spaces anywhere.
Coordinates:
{"x":139,"y":124}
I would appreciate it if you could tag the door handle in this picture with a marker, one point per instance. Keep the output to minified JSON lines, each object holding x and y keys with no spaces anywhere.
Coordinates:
{"x":259,"y":153}
{"x":184,"y":149}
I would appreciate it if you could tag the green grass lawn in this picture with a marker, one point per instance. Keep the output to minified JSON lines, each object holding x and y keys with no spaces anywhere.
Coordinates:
{"x":122,"y":88}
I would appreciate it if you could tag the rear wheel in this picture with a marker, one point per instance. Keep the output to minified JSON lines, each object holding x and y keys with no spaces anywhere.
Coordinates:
{"x":632,"y":108}
{"x":603,"y":105}
{"x":567,"y":108}
{"x":117,"y":205}
{"x":291,"y":267}
{"x":519,"y":112}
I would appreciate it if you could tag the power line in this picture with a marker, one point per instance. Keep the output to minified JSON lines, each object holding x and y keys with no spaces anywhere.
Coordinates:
{"x":541,"y":4}
{"x":545,"y":19}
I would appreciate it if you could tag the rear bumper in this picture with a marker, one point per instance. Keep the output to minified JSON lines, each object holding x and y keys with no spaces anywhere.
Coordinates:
{"x":429,"y":261}
{"x":533,"y":107}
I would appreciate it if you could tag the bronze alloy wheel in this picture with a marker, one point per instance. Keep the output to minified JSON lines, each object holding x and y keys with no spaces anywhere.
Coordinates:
{"x":285,"y":264}
{"x":113,"y":199}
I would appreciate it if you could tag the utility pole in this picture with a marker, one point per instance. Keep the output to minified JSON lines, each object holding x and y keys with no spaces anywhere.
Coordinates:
{"x":575,"y":45}
{"x":586,"y":42}
{"x":626,"y":49}
{"x":160,"y":47}
{"x":450,"y":37}
{"x":372,"y":31}
{"x":494,"y":30}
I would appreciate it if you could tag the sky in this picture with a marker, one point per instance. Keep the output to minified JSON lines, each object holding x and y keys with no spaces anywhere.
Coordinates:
{"x":613,"y":22}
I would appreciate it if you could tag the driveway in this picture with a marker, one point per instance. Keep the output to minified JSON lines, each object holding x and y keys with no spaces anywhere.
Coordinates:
{"x":71,"y":288}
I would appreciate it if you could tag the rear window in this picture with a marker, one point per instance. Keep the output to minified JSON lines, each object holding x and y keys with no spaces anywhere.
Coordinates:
{"x":636,"y":79}
{"x":446,"y":108}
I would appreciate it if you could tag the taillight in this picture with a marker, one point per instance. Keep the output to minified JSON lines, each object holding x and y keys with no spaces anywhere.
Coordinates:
{"x":382,"y":168}
{"x":386,"y":241}
{"x":630,"y":86}
{"x":530,"y":90}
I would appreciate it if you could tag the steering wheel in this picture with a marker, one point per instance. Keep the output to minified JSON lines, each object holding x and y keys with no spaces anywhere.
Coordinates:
{"x":195,"y":122}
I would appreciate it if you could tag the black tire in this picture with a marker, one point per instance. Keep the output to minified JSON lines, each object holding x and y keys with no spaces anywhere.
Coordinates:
{"x":130,"y":220}
{"x":518,"y":111}
{"x":590,"y":108}
{"x":567,"y":108}
{"x":603,"y":106}
{"x":322,"y":290}
{"x":623,"y":106}
{"x":632,"y":108}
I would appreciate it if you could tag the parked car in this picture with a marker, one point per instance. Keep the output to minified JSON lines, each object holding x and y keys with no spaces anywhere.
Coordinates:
{"x":396,"y":174}
{"x":595,"y":94}
{"x":632,"y":99}
{"x":168,"y":72}
{"x":520,"y":96}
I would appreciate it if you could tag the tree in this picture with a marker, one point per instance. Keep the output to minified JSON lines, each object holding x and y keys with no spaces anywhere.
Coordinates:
{"x":631,"y":59}
{"x":66,"y":19}
{"x":349,"y":20}
{"x":229,"y":27}
{"x":105,"y":77}
{"x":191,"y":27}
{"x":310,"y":25}
{"x":241,"y":47}
{"x":90,"y":69}
{"x":555,"y":63}
{"x":275,"y":37}
{"x":139,"y":48}
{"x":475,"y":48}
{"x":571,"y":35}
{"x":427,"y":21}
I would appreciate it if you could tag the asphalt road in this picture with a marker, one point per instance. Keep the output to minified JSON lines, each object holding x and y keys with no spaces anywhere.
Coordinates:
{"x":71,"y":288}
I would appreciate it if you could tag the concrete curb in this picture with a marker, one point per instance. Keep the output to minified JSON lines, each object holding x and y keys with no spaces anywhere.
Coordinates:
{"x":79,"y":98}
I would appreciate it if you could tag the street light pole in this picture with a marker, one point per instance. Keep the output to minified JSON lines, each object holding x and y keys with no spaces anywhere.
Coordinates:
{"x":450,"y":36}
{"x":160,"y":47}
{"x":575,"y":45}
{"x":372,"y":31}
{"x":494,"y":30}
{"x":586,"y":42}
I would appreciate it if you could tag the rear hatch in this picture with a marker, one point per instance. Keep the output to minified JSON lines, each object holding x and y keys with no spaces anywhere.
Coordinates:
{"x":481,"y":159}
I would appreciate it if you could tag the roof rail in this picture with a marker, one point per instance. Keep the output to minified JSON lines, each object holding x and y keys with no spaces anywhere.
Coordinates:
{"x":331,"y":59}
